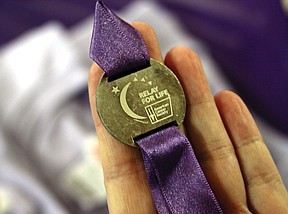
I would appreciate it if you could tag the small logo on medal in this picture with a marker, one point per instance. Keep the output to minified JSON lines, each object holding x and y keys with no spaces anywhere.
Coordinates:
{"x":155,"y":101}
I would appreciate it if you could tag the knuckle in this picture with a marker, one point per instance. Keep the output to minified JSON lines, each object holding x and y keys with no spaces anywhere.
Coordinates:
{"x":251,"y":140}
{"x":223,"y":151}
{"x":269,"y":178}
{"x":123,"y":170}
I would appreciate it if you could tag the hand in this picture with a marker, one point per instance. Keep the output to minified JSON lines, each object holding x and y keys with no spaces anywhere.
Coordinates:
{"x":224,"y":136}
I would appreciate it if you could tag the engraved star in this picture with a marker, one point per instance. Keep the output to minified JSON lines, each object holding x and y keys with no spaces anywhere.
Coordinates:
{"x":115,"y":90}
{"x":143,"y":79}
{"x":150,"y":82}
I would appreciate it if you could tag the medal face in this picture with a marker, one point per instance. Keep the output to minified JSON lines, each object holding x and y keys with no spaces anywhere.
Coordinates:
{"x":141,"y":102}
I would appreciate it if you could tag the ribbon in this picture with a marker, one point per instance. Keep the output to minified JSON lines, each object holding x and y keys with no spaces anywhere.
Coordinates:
{"x":177,"y":182}
{"x":116,"y":46}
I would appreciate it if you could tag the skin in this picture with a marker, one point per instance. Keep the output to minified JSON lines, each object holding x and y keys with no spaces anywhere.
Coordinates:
{"x":225,"y":138}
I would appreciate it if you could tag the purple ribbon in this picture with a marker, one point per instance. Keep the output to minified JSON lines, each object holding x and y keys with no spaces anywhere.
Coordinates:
{"x":176,"y":180}
{"x":116,"y":47}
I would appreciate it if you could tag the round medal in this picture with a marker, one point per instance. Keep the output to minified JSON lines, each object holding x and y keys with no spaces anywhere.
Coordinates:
{"x":141,"y":102}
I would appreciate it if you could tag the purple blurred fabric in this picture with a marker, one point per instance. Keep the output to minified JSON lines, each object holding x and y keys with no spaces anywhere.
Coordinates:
{"x":18,"y":16}
{"x":248,"y":39}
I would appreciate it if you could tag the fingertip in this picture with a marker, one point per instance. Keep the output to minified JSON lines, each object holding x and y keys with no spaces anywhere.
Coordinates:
{"x":225,"y":93}
{"x":176,"y":53}
{"x":184,"y":61}
{"x":230,"y":103}
{"x":236,"y":116}
{"x":143,"y":27}
{"x":226,"y":97}
{"x":150,"y":38}
{"x":186,"y":65}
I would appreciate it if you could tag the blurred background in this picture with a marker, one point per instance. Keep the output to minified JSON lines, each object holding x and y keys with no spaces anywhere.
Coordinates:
{"x":49,"y":160}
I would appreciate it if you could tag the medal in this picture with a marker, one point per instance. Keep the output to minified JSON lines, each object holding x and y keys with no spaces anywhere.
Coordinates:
{"x":141,"y":102}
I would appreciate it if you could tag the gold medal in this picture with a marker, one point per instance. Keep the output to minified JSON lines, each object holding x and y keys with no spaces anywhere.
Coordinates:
{"x":140,"y":103}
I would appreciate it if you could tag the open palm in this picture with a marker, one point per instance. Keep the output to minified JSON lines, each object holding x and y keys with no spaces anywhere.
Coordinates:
{"x":223,"y":134}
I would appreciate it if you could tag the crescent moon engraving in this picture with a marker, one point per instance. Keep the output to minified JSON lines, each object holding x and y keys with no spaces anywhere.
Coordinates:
{"x":124,"y":104}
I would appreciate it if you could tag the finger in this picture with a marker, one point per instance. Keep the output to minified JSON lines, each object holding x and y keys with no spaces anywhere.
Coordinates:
{"x":150,"y":39}
{"x":154,"y":49}
{"x":207,"y":133}
{"x":124,"y":173}
{"x":265,"y":189}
